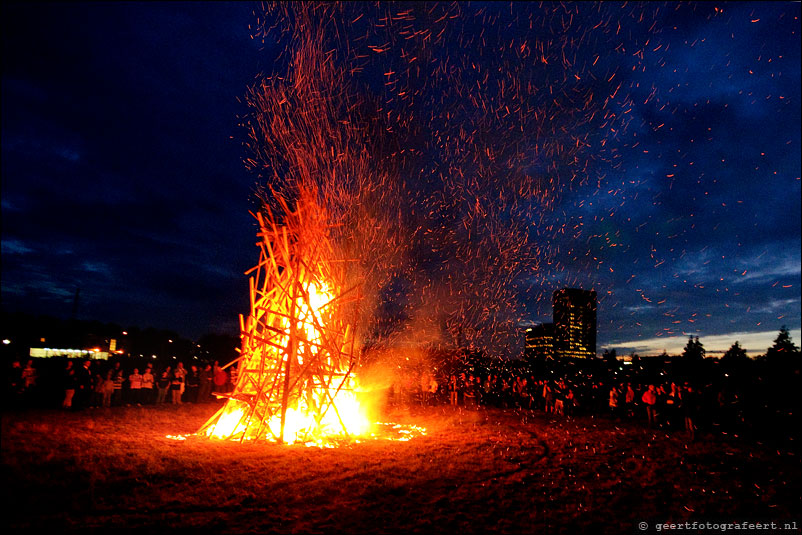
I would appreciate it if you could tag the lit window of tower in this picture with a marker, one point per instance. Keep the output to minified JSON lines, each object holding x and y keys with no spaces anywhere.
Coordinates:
{"x":540,"y":340}
{"x":574,"y":323}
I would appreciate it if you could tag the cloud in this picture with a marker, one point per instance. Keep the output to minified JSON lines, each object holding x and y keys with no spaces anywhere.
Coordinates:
{"x":773,"y":307}
{"x":755,"y":343}
{"x":97,"y":268}
{"x":770,"y":268}
{"x":14,"y":247}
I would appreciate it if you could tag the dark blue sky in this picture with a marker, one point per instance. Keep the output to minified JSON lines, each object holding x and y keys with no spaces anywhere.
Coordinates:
{"x":122,"y":155}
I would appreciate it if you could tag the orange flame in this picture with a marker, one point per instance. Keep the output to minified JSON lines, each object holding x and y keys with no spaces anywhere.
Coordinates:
{"x":343,"y":416}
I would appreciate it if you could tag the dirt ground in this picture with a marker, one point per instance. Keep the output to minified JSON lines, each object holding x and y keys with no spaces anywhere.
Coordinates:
{"x":472,"y":472}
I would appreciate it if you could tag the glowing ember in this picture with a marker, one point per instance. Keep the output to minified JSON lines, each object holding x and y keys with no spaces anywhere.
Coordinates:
{"x":389,"y":431}
{"x":228,"y":424}
{"x":345,"y":418}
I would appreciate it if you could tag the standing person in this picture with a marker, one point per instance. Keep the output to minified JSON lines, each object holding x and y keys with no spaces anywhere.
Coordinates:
{"x":487,"y":389}
{"x":69,"y":385}
{"x":14,"y":384}
{"x":219,"y":377}
{"x":531,"y":392}
{"x":453,"y":390}
{"x":559,"y":398}
{"x":469,"y":393}
{"x":164,"y":384}
{"x":107,"y":387}
{"x":548,"y":397}
{"x":192,"y":384}
{"x":570,"y":402}
{"x":205,"y":383}
{"x":660,"y":407}
{"x":691,"y":405}
{"x":518,"y":390}
{"x":117,"y":377}
{"x":83,"y":385}
{"x":433,"y":388}
{"x":234,"y":377}
{"x":98,"y":382}
{"x":613,"y":402}
{"x":672,"y":406}
{"x":424,"y":388}
{"x":395,"y":392}
{"x":28,"y":375}
{"x":147,"y":385}
{"x":629,"y":401}
{"x":177,"y":384}
{"x":649,"y":399}
{"x":28,"y":381}
{"x":135,"y":387}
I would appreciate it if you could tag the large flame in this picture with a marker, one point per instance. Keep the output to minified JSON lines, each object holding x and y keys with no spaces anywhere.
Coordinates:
{"x":329,"y":406}
{"x":296,"y":374}
{"x":346,"y":418}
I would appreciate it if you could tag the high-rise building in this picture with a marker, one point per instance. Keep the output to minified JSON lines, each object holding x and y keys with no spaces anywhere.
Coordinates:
{"x":574,"y":315}
{"x":540,"y":340}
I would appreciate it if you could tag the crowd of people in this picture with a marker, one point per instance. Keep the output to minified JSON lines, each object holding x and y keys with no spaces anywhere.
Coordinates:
{"x":668,"y":404}
{"x":90,"y":383}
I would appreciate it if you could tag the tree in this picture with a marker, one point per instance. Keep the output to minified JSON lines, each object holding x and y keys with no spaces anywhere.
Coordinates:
{"x":783,"y":347}
{"x":735,"y":353}
{"x":694,"y":350}
{"x":610,"y":356}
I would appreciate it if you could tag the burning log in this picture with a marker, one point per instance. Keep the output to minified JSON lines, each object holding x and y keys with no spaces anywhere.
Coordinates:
{"x":296,"y":381}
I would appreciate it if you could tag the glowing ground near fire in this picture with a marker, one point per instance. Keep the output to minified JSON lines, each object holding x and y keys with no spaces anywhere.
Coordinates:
{"x":389,"y":431}
{"x":474,"y":471}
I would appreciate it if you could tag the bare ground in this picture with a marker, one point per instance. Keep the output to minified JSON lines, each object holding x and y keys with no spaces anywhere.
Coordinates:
{"x":473,"y":472}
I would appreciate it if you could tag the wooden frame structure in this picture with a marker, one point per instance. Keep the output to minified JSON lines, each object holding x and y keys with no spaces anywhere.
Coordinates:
{"x":297,"y":352}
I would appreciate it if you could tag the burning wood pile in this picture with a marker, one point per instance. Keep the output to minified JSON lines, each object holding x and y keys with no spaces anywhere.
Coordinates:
{"x":296,"y":380}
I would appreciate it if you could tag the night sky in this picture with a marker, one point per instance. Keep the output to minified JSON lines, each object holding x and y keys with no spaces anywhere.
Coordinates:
{"x":677,"y":189}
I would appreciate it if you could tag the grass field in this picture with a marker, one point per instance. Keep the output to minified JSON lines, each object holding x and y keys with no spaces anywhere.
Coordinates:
{"x":473,"y":472}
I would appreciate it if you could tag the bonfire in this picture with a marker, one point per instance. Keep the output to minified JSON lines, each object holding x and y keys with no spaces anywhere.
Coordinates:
{"x":296,"y":380}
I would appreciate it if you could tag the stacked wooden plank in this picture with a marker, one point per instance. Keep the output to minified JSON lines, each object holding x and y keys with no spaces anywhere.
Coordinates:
{"x":297,"y":352}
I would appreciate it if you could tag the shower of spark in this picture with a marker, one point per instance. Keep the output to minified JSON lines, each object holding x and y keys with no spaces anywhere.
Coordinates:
{"x":442,"y":171}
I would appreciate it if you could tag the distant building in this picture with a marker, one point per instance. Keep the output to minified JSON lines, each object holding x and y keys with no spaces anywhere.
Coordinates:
{"x":574,"y":314}
{"x":47,"y":352}
{"x":540,"y":340}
